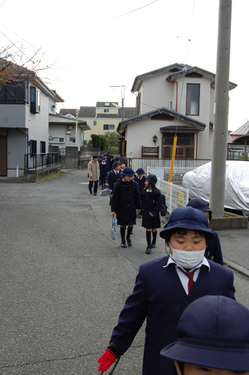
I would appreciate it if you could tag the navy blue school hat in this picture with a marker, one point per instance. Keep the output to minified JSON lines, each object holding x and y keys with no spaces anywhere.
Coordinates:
{"x":186,"y":218}
{"x":213,"y":332}
{"x":127,"y":171}
{"x":115,"y":164}
{"x":140,"y":171}
{"x":152,"y":179}
{"x":199,"y":204}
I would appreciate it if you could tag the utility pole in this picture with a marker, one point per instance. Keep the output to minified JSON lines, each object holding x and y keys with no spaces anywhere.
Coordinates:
{"x":122,"y":87}
{"x":76,"y":130}
{"x":218,"y":170}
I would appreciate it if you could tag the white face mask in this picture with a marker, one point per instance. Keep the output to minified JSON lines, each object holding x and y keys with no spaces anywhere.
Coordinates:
{"x":187,"y":259}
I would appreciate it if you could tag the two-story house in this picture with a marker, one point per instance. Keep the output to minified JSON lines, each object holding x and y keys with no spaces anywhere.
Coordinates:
{"x":103,"y":118}
{"x":66,"y":131}
{"x":25,"y":104}
{"x":176,"y":100}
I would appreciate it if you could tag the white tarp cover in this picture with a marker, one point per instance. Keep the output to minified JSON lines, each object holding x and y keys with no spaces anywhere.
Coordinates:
{"x":198,"y":182}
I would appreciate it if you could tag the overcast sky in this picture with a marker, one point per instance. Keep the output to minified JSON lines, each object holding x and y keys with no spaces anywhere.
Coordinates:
{"x":95,"y":44}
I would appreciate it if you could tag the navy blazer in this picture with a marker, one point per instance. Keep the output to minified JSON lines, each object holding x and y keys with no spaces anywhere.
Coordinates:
{"x":112,"y":178}
{"x":159,"y":296}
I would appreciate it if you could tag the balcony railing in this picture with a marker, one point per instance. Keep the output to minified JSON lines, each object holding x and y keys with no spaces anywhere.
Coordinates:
{"x":35,"y":161}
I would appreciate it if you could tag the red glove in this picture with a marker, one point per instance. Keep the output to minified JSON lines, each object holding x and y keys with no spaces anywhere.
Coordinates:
{"x":106,"y":360}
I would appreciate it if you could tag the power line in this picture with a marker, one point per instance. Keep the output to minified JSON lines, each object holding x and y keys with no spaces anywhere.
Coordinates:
{"x":135,"y":10}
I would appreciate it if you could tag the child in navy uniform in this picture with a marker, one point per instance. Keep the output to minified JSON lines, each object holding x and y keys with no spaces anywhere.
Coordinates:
{"x":213,"y":250}
{"x":212,"y":337}
{"x":164,"y":288}
{"x":151,"y":207}
{"x":140,"y":180}
{"x":103,"y":166}
{"x":126,"y":199}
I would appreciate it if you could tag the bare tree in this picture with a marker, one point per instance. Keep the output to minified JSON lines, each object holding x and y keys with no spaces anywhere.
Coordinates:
{"x":16,"y":64}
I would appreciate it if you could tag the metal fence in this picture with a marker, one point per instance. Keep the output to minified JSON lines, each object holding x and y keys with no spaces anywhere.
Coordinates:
{"x":35,"y":161}
{"x":180,"y":166}
{"x":176,"y":196}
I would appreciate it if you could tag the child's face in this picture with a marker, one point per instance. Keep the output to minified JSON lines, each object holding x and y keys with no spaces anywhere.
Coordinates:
{"x":140,"y":175}
{"x":191,"y":241}
{"x":127,"y":178}
{"x":146,"y":183}
{"x":203,"y":370}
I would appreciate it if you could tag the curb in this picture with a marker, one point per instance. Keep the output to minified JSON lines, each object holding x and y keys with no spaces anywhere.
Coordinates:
{"x":236,"y":267}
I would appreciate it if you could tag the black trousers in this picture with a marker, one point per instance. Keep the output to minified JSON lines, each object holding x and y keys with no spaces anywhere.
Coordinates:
{"x":90,"y":186}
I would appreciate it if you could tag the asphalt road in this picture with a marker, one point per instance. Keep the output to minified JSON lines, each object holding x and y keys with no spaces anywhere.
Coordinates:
{"x":64,"y":281}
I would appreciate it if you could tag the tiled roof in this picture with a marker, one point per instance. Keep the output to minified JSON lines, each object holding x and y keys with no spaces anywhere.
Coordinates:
{"x":160,"y":113}
{"x":87,"y":112}
{"x":58,"y":119}
{"x":242,"y":130}
{"x":174,"y":71}
{"x":66,"y":111}
{"x":90,"y":112}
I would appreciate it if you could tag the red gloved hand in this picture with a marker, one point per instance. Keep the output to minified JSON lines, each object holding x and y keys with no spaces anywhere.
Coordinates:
{"x":106,"y":360}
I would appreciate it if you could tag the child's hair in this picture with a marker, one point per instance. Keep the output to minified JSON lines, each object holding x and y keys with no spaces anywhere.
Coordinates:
{"x":154,"y":190}
{"x":184,"y":231}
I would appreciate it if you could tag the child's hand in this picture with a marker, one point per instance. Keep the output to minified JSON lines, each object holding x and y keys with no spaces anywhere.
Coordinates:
{"x":151,"y":214}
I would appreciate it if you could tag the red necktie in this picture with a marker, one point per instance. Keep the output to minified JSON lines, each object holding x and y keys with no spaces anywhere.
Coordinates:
{"x":190,"y":276}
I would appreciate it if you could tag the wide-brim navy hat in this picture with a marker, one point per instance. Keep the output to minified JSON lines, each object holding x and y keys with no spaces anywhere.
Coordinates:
{"x":115,"y":164}
{"x":140,"y":171}
{"x":213,"y":332}
{"x":127,"y":171}
{"x":186,"y":218}
{"x":199,"y":204}
{"x":152,"y":179}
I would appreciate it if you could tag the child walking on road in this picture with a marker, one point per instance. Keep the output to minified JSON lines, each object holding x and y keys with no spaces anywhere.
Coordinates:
{"x":151,"y":207}
{"x":126,"y":199}
{"x":164,"y":288}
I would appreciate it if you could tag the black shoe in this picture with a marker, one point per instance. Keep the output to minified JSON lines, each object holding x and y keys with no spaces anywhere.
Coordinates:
{"x":90,"y":191}
{"x":153,"y":245}
{"x":123,"y":244}
{"x":129,"y":243}
{"x":148,"y":250}
{"x":94,"y":193}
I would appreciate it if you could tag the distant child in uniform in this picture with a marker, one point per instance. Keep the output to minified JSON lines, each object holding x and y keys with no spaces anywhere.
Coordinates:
{"x":213,"y":249}
{"x":103,"y":166}
{"x":140,"y":180}
{"x":125,"y":200}
{"x":151,"y":207}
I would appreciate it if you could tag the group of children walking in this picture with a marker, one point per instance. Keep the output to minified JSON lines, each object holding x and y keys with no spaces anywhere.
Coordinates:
{"x":134,"y":197}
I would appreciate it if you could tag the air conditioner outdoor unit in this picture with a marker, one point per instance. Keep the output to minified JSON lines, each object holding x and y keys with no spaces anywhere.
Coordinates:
{"x":171,"y":105}
{"x":68,"y":132}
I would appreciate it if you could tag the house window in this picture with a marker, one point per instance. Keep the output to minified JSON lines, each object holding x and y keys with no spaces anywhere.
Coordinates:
{"x":72,"y":139}
{"x":35,"y":98}
{"x":193,"y":99}
{"x":33,"y":148}
{"x":184,"y":147}
{"x":95,"y":122}
{"x":12,"y":93}
{"x":109,"y":127}
{"x":106,"y":110}
{"x":43,"y":147}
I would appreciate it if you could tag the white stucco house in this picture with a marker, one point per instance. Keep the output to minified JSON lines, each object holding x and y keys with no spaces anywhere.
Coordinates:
{"x":25,"y":105}
{"x":176,"y":100}
{"x":66,"y":131}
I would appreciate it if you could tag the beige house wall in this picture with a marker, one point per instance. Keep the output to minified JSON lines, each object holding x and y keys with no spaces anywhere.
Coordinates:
{"x":156,"y":92}
{"x":98,"y":129}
